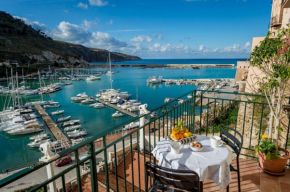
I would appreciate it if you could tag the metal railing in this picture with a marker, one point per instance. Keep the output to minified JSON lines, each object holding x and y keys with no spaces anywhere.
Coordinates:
{"x":124,"y":156}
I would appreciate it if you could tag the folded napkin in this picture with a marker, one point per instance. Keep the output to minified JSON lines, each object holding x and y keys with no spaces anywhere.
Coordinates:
{"x":187,"y":140}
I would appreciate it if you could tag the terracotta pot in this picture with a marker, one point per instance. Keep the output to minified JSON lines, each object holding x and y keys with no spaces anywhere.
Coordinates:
{"x":274,"y":165}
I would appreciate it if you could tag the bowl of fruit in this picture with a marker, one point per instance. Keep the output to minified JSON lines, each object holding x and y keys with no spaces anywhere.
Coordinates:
{"x":181,"y":134}
{"x":196,"y":146}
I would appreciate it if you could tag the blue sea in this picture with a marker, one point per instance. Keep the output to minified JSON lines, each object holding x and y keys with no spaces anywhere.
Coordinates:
{"x":14,"y":150}
{"x":179,"y":61}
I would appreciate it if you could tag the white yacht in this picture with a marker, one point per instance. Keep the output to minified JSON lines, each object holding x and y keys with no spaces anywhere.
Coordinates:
{"x":117,"y":114}
{"x":37,"y":142}
{"x":62,"y":119}
{"x":52,"y":106}
{"x":93,"y":78}
{"x":88,"y":101}
{"x":80,"y":97}
{"x":78,"y":140}
{"x":71,"y":122}
{"x":58,"y":112}
{"x":154,"y":80}
{"x":40,"y":136}
{"x":72,"y":128}
{"x":99,"y":105}
{"x":24,"y":130}
{"x":77,"y":133}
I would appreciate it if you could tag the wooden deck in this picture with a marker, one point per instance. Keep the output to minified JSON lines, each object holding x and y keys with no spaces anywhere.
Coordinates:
{"x":51,"y":125}
{"x":117,"y":108}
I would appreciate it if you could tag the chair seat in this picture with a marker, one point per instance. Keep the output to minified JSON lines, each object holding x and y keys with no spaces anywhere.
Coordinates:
{"x":157,"y":187}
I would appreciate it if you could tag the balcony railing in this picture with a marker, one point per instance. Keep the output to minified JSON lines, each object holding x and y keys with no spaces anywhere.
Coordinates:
{"x":124,"y":157}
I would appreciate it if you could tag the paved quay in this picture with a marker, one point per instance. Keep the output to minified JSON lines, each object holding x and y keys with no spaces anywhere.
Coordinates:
{"x":51,"y":125}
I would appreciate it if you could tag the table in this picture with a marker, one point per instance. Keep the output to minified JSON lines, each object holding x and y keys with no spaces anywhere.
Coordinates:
{"x":210,"y":163}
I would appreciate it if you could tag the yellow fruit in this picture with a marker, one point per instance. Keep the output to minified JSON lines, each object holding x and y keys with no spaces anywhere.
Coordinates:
{"x":176,"y":137}
{"x":189,"y":134}
{"x":172,"y":135}
{"x":175,"y":130}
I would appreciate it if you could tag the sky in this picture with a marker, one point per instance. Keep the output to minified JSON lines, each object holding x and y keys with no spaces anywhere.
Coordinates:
{"x":150,"y":28}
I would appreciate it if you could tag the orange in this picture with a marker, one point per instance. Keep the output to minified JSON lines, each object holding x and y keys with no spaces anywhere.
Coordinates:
{"x":181,"y":132}
{"x":180,"y":136}
{"x":186,"y":130}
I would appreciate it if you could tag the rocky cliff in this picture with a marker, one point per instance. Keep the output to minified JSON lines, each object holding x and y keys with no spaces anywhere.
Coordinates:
{"x":20,"y":43}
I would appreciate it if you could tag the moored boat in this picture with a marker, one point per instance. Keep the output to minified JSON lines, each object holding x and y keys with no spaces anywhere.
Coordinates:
{"x":62,"y":119}
{"x":58,"y":112}
{"x":40,"y":136}
{"x":117,"y":114}
{"x":77,"y":133}
{"x":71,"y":122}
{"x":72,"y":128}
{"x":52,"y":106}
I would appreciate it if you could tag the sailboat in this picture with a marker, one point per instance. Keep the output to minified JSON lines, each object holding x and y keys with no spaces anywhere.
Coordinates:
{"x":110,"y":65}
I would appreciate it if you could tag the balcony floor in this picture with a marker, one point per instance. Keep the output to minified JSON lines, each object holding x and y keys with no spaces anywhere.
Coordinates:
{"x":254,"y":180}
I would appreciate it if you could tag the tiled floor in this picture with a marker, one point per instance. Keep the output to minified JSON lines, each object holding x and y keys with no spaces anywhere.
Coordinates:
{"x":254,"y":180}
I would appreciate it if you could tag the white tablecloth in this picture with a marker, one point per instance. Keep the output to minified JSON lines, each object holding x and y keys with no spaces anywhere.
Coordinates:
{"x":210,"y":163}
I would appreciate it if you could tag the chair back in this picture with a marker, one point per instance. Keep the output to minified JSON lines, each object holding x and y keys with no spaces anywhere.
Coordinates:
{"x":228,"y":135}
{"x":181,"y":179}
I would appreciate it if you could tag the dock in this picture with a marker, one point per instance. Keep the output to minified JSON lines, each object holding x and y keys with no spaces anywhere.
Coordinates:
{"x":117,"y":108}
{"x":51,"y":125}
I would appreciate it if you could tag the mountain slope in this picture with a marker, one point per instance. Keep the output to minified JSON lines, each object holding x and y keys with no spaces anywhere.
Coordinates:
{"x":22,"y":44}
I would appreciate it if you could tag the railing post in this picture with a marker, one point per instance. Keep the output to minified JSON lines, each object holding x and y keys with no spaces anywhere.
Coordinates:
{"x":50,"y":174}
{"x":93,"y":165}
{"x":143,"y":111}
{"x":141,"y":136}
{"x":193,"y":110}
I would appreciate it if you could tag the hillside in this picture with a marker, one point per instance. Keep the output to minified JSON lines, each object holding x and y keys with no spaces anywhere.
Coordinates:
{"x":20,"y":43}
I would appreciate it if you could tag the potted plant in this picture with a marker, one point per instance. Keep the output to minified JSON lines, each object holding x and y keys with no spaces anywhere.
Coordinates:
{"x":270,"y":157}
{"x":272,"y":57}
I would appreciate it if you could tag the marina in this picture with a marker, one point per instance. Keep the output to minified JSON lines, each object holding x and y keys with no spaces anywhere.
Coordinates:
{"x":55,"y":130}
{"x":16,"y":150}
{"x":117,"y":108}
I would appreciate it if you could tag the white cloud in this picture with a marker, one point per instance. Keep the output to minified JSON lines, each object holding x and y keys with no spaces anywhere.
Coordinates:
{"x":110,"y":22}
{"x":105,"y":40}
{"x":82,"y":5}
{"x":141,"y":38}
{"x":98,"y":3}
{"x":88,"y":24}
{"x":81,"y":35}
{"x":201,"y":48}
{"x":158,"y":36}
{"x":71,"y":33}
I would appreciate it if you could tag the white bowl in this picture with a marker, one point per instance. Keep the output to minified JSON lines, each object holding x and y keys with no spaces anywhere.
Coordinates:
{"x":195,"y":149}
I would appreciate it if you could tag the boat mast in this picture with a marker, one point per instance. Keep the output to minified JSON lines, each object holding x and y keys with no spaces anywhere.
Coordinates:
{"x":17,"y":88}
{"x":110,"y":62}
{"x":40,"y":86}
{"x":12,"y":82}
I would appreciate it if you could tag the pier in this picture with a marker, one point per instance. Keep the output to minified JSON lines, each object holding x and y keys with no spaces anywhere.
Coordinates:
{"x":51,"y":125}
{"x":117,"y":108}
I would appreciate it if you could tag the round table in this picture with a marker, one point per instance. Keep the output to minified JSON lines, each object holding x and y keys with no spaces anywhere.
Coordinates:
{"x":210,"y":163}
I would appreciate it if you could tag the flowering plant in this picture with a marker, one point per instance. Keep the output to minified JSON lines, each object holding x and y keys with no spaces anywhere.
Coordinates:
{"x":268,"y":147}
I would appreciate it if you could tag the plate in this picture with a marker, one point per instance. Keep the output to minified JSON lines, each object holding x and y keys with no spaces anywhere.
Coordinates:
{"x":195,"y":149}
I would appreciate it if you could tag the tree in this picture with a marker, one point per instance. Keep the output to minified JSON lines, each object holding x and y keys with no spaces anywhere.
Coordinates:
{"x":272,"y":57}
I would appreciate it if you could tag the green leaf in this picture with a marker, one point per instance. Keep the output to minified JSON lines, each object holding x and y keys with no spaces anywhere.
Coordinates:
{"x":268,"y":156}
